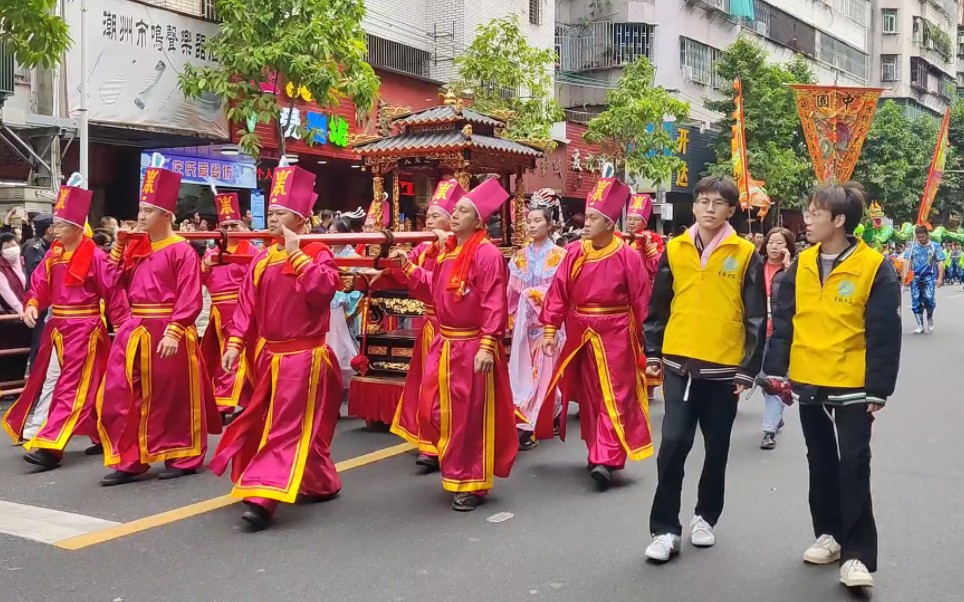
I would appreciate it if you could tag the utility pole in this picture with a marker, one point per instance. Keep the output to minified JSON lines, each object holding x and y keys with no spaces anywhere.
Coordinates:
{"x":84,"y":122}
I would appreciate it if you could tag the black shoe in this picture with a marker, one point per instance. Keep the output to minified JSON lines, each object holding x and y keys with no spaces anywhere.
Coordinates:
{"x":527,"y":441}
{"x":229,"y":417}
{"x":603,"y":477}
{"x":429,"y":463}
{"x":175,"y":473}
{"x":95,"y":450}
{"x":304,"y":498}
{"x":555,"y":426}
{"x":118,"y":477}
{"x":769,"y":441}
{"x":256,"y":516}
{"x":42,"y":458}
{"x":466,"y":502}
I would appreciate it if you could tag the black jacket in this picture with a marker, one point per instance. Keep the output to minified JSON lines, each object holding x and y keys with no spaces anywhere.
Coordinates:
{"x":33,"y":254}
{"x":883,"y":334}
{"x":754,"y":325}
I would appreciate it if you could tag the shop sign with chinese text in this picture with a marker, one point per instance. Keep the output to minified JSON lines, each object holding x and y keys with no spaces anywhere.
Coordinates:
{"x":205,"y":171}
{"x":135,"y":54}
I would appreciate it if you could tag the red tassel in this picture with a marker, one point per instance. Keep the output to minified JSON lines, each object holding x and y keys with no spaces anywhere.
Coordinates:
{"x":360,"y":364}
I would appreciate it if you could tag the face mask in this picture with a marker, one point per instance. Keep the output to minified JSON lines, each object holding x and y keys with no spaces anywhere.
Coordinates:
{"x":11,"y":254}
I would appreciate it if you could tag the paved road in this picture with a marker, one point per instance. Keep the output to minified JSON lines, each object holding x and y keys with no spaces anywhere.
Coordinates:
{"x":391,"y":537}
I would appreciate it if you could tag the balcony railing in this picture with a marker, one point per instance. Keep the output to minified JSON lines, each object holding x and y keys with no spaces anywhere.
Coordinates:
{"x":395,"y":56}
{"x":602,"y":45}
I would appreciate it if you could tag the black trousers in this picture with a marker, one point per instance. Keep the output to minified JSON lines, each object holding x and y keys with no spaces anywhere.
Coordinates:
{"x":840,"y":500}
{"x":711,"y":405}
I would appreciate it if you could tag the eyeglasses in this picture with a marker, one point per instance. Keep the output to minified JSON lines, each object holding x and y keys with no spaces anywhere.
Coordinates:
{"x":809,"y":216}
{"x":716,"y":203}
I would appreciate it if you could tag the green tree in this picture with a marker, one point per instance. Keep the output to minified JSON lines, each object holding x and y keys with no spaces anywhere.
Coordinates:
{"x":776,"y":149}
{"x":504,"y":75}
{"x":630,"y":129}
{"x":31,"y":30}
{"x":894,"y":161}
{"x":315,"y":45}
{"x":950,"y":196}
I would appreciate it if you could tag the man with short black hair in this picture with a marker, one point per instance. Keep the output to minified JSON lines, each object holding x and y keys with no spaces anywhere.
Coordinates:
{"x":925,"y":258}
{"x":837,"y":335}
{"x":706,"y":327}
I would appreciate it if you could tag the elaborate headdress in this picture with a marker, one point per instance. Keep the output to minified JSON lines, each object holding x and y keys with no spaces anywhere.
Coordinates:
{"x":548,"y":199}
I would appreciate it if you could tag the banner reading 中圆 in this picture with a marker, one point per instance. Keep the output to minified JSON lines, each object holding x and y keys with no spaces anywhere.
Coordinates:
{"x":835,"y":123}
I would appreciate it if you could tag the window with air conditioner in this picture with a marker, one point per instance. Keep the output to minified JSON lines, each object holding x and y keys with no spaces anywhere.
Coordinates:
{"x":889,"y":19}
{"x":698,"y":62}
{"x":889,"y":67}
{"x":718,"y":4}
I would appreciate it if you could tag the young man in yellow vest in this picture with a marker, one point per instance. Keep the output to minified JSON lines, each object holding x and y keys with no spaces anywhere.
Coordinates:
{"x":704,"y":333}
{"x":837,"y":334}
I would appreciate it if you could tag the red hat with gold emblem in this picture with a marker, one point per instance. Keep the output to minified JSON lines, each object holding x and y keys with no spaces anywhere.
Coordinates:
{"x":73,"y":205}
{"x":608,"y":198}
{"x":292,"y":188}
{"x":160,"y":188}
{"x":229,"y":209}
{"x":447,"y":194}
{"x":487,"y":197}
{"x":641,"y":205}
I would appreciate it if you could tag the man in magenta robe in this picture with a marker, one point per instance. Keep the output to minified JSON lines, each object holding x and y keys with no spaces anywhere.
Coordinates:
{"x":279,"y":445}
{"x":72,"y":280}
{"x":600,"y":293}
{"x":465,"y":389}
{"x":223,"y":281}
{"x":156,"y":403}
{"x":407,"y":418}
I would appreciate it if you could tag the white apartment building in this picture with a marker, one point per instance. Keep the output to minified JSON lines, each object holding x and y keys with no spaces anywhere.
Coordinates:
{"x":915,"y":49}
{"x":423,"y":37}
{"x":684,"y":38}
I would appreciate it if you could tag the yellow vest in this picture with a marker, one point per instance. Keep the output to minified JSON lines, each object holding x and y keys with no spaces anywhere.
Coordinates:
{"x":829,"y":341}
{"x":706,"y":316}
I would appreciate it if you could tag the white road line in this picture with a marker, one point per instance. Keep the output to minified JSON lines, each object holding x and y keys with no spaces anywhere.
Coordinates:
{"x":45,"y":525}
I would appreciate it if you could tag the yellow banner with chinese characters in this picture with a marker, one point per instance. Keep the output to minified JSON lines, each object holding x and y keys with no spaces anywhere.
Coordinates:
{"x":741,"y":172}
{"x":936,"y":172}
{"x":835,"y":124}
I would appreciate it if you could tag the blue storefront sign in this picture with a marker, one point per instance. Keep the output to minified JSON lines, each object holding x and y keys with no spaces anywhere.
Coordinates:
{"x":257,"y":210}
{"x":206,"y":171}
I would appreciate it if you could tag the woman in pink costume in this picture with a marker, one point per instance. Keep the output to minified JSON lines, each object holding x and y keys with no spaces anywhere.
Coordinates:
{"x":530,"y":272}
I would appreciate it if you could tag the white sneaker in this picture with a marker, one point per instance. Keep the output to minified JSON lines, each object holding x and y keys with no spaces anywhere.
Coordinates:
{"x":663,"y":547}
{"x":701,"y":533}
{"x":919,"y":330}
{"x":853,"y":573}
{"x":930,"y":324}
{"x":823,"y":551}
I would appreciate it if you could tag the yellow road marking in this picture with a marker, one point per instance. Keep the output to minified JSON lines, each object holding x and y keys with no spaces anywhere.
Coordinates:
{"x":177,"y":514}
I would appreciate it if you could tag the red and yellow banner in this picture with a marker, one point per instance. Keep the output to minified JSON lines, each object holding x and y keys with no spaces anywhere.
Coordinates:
{"x":936,"y":172}
{"x":835,"y":124}
{"x":741,"y":170}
